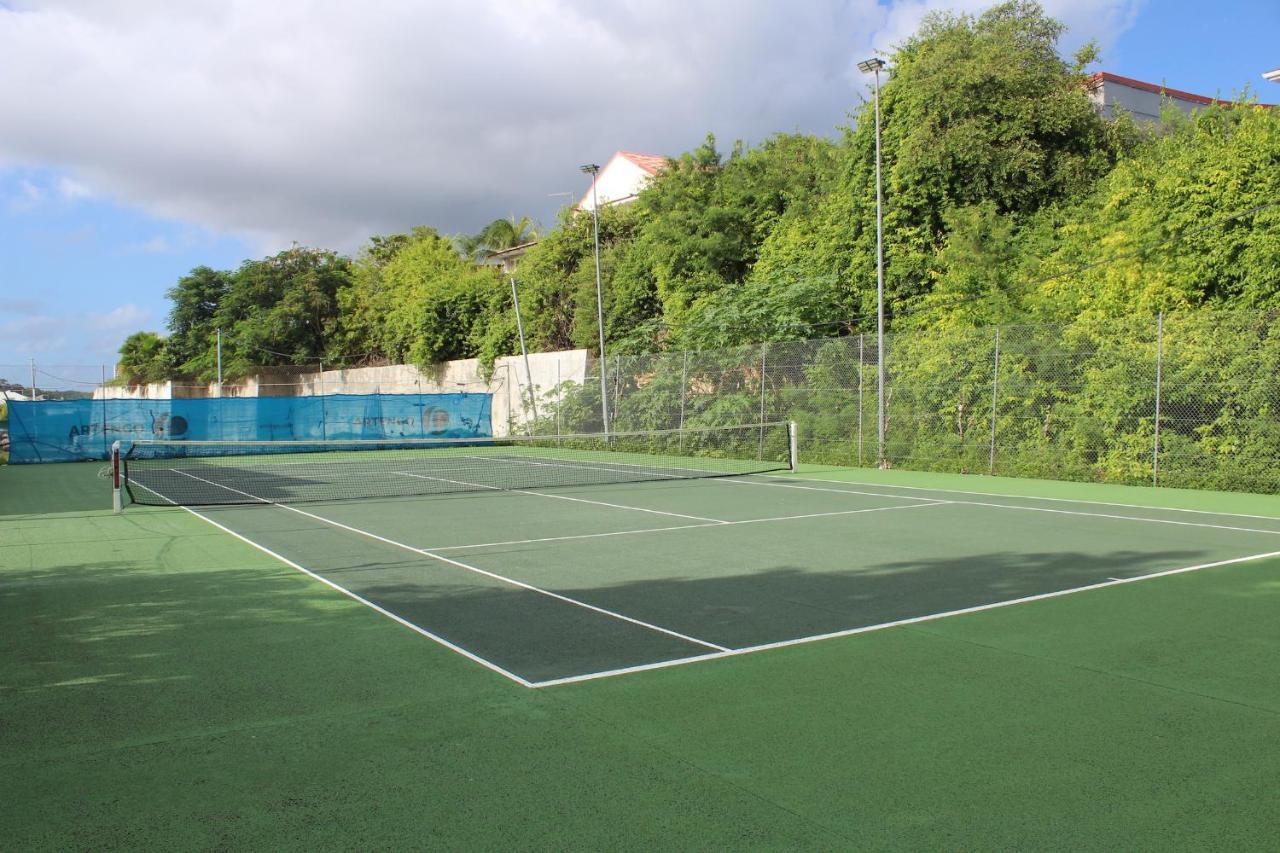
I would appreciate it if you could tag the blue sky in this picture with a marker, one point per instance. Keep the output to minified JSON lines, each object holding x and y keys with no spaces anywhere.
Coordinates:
{"x":135,"y":156}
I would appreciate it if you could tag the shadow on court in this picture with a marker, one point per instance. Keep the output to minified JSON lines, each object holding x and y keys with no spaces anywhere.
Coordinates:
{"x":540,"y":638}
{"x":69,"y":487}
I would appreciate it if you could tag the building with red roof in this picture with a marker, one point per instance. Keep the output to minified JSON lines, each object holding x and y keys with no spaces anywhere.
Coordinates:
{"x":1142,"y":100}
{"x":622,"y":178}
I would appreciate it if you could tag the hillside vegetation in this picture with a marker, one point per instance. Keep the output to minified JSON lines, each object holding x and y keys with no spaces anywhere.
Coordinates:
{"x":1008,"y":199}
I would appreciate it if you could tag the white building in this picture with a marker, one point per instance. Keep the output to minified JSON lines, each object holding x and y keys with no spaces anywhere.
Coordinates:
{"x":622,"y":179}
{"x":1110,"y":92}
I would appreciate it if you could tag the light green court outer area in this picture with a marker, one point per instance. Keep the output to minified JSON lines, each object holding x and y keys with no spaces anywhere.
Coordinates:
{"x":163,"y":685}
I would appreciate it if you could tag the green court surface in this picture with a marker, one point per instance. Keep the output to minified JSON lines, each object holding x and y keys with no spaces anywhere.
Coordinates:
{"x":835,"y":659}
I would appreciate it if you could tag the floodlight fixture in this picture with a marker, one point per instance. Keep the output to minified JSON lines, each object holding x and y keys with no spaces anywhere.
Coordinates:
{"x":868,"y":66}
{"x":1273,"y":76}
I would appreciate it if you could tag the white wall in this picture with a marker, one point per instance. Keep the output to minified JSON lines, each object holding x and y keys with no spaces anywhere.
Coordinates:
{"x":1144,"y":105}
{"x":620,"y":179}
{"x":508,"y":384}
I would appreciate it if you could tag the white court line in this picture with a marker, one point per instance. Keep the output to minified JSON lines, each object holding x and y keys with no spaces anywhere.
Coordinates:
{"x":745,"y":650}
{"x":957,"y":502}
{"x":683,"y":527}
{"x":476,"y":570}
{"x":742,"y":481}
{"x":366,"y":602}
{"x":559,"y":497}
{"x":1025,"y":497}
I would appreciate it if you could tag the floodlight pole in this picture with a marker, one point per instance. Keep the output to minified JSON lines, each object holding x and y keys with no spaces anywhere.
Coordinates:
{"x":593,"y":170}
{"x":524,"y":351}
{"x":874,"y":66}
{"x":219,"y":363}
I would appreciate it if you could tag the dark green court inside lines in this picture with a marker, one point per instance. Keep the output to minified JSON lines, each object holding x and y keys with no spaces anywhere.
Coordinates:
{"x":164,"y":684}
{"x":572,"y":582}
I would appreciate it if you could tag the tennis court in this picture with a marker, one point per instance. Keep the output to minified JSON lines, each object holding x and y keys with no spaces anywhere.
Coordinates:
{"x":708,"y":657}
{"x":556,"y":563}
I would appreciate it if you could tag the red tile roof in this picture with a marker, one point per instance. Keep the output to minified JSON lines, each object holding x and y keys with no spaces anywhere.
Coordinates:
{"x":651,"y":163}
{"x":1100,"y":77}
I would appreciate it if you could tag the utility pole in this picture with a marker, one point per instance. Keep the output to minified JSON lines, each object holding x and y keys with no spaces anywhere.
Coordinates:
{"x":593,"y":170}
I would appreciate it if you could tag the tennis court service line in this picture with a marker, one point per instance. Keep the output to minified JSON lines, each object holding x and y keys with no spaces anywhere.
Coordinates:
{"x":418,"y":629}
{"x":1109,"y":515}
{"x":684,"y":527}
{"x":897,"y":623}
{"x":559,"y":497}
{"x":1031,"y":497}
{"x":452,"y":562}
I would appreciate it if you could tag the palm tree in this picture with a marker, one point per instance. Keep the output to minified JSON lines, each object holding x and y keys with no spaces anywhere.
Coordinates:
{"x":497,"y":235}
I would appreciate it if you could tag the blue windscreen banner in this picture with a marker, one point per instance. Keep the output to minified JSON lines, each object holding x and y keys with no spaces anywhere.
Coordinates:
{"x":73,"y":430}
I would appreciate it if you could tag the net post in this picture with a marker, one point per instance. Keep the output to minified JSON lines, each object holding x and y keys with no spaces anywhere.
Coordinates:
{"x":792,"y":445}
{"x":116,"y":503}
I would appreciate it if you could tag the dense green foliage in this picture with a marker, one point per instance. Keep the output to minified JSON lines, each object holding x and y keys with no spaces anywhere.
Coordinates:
{"x":1008,"y":201}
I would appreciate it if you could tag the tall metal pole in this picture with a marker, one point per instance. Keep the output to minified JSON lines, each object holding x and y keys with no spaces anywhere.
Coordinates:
{"x":594,"y":171}
{"x":33,"y":380}
{"x":528,"y":374}
{"x":879,"y":283}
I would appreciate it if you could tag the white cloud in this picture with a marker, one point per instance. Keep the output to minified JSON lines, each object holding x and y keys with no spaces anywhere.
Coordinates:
{"x":157,"y":245}
{"x":78,"y":338}
{"x":326,"y":121}
{"x":29,"y":195}
{"x":122,"y":318}
{"x":71,"y":189}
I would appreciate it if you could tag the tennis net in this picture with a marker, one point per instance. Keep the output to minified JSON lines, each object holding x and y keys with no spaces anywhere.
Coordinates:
{"x":201,"y":473}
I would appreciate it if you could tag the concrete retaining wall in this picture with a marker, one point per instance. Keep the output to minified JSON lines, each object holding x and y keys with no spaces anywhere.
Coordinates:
{"x":508,"y":383}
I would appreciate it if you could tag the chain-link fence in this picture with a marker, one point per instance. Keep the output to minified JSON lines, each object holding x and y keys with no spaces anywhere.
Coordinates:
{"x":1189,"y":400}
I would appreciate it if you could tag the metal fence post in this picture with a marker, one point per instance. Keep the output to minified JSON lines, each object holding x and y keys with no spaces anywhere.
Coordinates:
{"x":1155,"y":448}
{"x":861,"y":336}
{"x":324,"y":415}
{"x":684,"y":384}
{"x":106,"y":445}
{"x":764,"y":350}
{"x":559,"y":397}
{"x":995,"y":392}
{"x":617,"y":393}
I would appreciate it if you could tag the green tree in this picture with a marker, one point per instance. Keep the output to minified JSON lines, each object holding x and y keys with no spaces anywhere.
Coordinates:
{"x":1190,"y":219}
{"x":413,"y":298}
{"x":279,"y":310}
{"x":497,"y":235}
{"x":977,"y":112}
{"x":144,"y":357}
{"x":192,"y":324}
